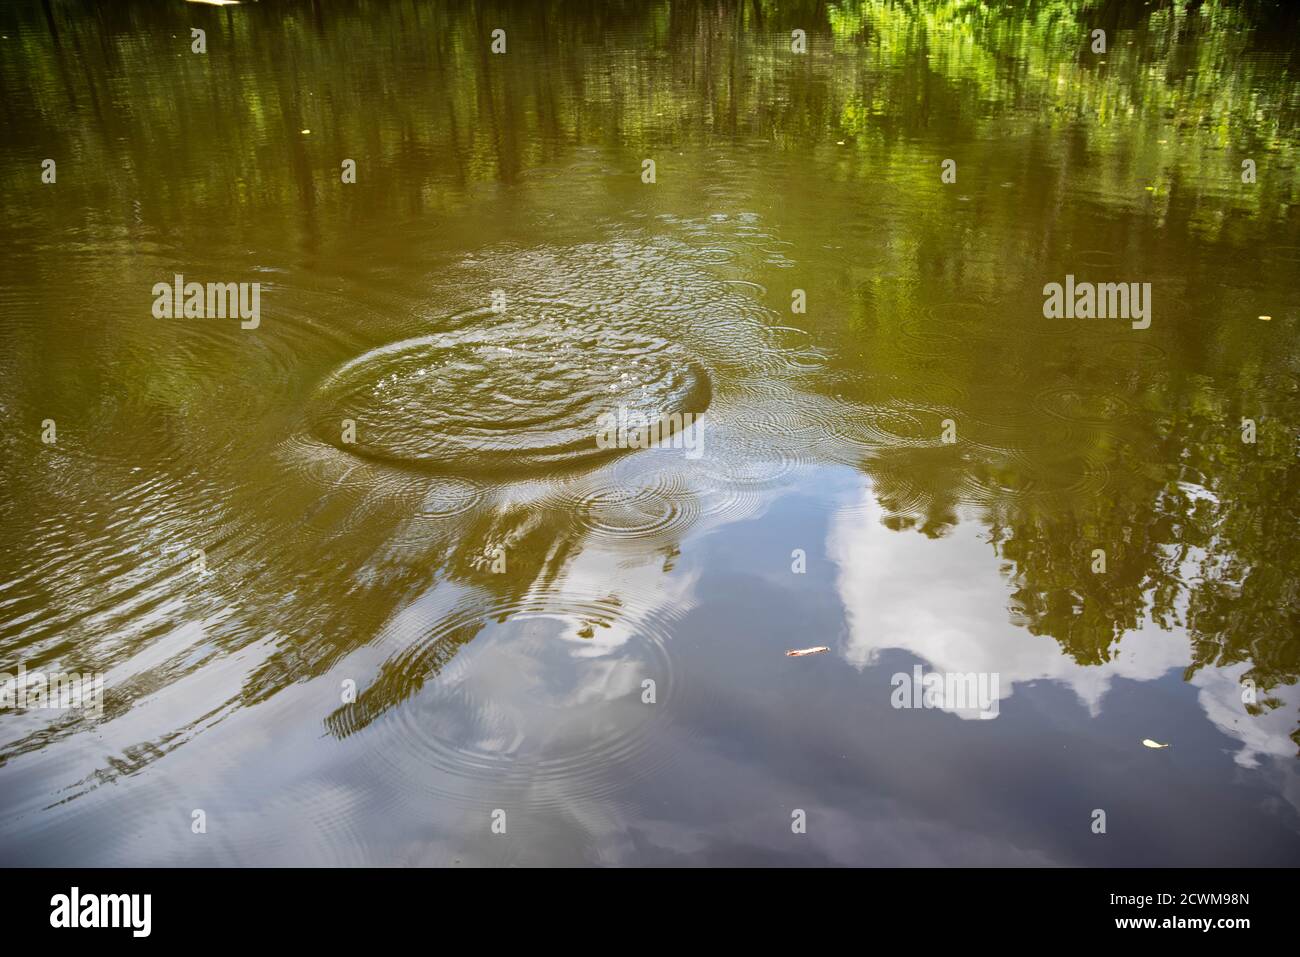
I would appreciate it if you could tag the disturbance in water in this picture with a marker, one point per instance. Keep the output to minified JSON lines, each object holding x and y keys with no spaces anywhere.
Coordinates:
{"x":519,"y":395}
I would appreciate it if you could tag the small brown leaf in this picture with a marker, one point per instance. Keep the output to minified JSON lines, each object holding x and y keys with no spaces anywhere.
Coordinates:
{"x":800,"y":652}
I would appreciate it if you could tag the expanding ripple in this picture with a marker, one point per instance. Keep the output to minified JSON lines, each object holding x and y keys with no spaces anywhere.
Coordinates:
{"x":520,"y":395}
{"x":536,"y":699}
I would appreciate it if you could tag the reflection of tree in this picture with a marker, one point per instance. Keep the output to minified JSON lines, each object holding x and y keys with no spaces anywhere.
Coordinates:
{"x":1245,"y":605}
{"x":183,"y":146}
{"x":1202,"y":533}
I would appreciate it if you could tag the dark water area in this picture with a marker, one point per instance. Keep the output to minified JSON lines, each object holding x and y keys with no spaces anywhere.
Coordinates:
{"x":364,"y":585}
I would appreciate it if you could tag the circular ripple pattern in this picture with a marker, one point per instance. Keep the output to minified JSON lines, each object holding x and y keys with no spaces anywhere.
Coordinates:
{"x":450,"y":497}
{"x":536,"y":701}
{"x":522,"y":395}
{"x":636,"y":509}
{"x":1081,"y":404}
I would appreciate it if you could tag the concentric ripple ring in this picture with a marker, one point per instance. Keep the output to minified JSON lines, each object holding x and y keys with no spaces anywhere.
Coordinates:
{"x":519,"y":396}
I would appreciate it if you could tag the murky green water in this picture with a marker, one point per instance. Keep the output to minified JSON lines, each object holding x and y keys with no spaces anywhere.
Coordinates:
{"x":393,"y":483}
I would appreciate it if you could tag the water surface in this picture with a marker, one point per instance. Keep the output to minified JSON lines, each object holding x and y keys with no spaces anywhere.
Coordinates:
{"x":496,"y":587}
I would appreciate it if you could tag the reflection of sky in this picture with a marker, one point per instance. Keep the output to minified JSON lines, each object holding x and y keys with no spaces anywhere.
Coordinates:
{"x":945,"y":601}
{"x":744,"y":734}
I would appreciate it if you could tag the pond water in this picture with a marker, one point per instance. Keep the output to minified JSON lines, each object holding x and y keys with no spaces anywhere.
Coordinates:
{"x":364,"y":588}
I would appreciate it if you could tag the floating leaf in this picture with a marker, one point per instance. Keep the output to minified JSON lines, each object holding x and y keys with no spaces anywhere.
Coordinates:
{"x":1153,"y":744}
{"x":800,"y":652}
